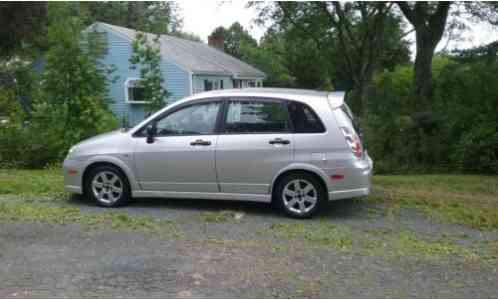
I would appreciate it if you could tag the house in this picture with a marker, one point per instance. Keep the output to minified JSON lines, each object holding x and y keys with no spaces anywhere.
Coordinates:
{"x":187,"y":67}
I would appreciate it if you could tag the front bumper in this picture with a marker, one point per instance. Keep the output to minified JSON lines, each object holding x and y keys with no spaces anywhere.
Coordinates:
{"x":356,"y":183}
{"x":73,"y":174}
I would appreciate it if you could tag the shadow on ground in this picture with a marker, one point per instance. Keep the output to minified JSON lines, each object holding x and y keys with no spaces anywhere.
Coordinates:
{"x":340,"y":209}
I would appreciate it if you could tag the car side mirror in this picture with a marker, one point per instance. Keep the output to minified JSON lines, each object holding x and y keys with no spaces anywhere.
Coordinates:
{"x":151,"y":133}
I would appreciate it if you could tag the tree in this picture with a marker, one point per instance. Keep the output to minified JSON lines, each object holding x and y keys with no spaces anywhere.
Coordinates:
{"x":72,"y":100}
{"x":147,"y":56}
{"x":271,"y":57}
{"x":21,"y":24}
{"x":429,"y":20}
{"x":164,"y":16}
{"x":187,"y":36}
{"x":350,"y":37}
{"x":236,"y":37}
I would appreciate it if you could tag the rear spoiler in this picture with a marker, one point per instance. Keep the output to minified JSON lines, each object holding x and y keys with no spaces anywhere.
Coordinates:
{"x":336,"y":99}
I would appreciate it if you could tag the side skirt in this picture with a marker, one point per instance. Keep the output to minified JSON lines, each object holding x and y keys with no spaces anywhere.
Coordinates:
{"x":208,"y":196}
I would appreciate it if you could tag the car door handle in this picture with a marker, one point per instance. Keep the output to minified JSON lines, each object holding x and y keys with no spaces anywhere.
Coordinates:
{"x":279,"y":141}
{"x":200,"y":143}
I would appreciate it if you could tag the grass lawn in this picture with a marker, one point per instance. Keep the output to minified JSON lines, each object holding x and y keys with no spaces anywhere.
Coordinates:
{"x":470,"y":200}
{"x":46,"y":182}
{"x":462,"y":199}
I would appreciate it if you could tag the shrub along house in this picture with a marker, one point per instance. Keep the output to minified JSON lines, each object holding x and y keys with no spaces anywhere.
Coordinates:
{"x":187,"y":67}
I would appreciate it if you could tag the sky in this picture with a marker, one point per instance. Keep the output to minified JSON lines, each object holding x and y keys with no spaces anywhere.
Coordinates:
{"x":202,"y":17}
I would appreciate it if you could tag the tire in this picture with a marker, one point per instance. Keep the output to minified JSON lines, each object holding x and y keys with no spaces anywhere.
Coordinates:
{"x":107,"y":186}
{"x":300,"y":195}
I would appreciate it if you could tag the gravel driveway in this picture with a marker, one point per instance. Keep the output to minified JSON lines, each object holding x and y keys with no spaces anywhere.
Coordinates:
{"x":233,"y":249}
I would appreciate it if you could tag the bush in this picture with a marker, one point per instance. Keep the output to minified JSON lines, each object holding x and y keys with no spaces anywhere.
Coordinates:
{"x":460,"y":134}
{"x":477,"y":150}
{"x":69,"y":102}
{"x":45,"y":139}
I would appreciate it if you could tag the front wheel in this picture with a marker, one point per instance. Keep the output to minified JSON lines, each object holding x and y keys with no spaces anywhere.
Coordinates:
{"x":107,"y":186}
{"x":300,"y":195}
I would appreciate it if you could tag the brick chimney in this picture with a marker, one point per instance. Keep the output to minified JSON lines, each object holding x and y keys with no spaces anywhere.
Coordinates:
{"x":217,"y":41}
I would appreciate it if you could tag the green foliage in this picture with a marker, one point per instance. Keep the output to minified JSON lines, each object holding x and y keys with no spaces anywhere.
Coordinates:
{"x":467,"y":94}
{"x":73,"y":92}
{"x":163,"y":16}
{"x":22,"y":27}
{"x":146,"y":54}
{"x":236,"y":39}
{"x":462,"y":133}
{"x":69,"y":103}
{"x":268,"y":56}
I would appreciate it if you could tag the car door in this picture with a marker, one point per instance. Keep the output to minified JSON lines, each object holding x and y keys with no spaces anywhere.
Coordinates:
{"x":255,"y":143}
{"x":182,"y":156}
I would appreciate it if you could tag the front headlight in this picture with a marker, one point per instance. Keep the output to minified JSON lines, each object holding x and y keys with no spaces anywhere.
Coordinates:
{"x":71,"y":150}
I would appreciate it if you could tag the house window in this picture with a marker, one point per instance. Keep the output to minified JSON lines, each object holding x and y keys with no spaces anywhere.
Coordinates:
{"x":213,"y":84}
{"x":244,"y":83}
{"x":134,"y":92}
{"x":208,"y":85}
{"x":236,"y":84}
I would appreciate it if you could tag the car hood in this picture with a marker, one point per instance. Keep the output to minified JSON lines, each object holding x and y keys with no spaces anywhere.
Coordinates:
{"x":100,"y":144}
{"x":100,"y":137}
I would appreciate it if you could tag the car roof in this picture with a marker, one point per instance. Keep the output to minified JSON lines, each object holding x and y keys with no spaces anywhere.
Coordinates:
{"x":336,"y":98}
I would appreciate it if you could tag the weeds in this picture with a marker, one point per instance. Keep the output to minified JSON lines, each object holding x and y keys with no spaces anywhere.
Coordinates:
{"x":319,"y":234}
{"x":22,"y":212}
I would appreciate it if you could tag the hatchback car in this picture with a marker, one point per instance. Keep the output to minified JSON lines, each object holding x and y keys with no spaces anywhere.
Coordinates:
{"x":296,"y":149}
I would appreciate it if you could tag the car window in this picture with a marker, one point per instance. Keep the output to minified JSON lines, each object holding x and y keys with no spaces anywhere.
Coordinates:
{"x":256,"y":117}
{"x":304,"y":118}
{"x":191,"y":120}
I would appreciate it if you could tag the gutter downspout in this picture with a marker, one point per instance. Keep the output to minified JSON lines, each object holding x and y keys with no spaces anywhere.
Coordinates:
{"x":190,"y":82}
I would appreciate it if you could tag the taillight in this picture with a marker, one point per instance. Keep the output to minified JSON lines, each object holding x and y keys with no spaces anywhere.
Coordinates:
{"x":353,"y":141}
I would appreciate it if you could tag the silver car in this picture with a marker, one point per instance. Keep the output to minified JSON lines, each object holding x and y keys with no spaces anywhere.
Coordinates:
{"x":296,"y":149}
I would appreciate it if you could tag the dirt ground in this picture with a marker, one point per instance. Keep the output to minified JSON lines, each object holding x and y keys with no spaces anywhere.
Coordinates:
{"x":223,"y":249}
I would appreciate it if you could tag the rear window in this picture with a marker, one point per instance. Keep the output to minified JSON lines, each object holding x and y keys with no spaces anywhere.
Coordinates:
{"x":345,"y":118}
{"x":256,"y":117}
{"x":304,"y":119}
{"x":347,"y":111}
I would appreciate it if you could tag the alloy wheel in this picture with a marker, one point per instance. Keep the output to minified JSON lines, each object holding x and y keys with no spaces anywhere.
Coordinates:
{"x":299,"y":196}
{"x":107,"y":187}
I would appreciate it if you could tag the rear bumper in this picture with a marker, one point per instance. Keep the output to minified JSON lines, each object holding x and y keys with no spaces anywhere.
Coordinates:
{"x":357,"y":181}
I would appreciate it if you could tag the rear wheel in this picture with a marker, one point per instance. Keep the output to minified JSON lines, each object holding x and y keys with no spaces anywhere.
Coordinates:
{"x":300,"y":195}
{"x":107,"y":186}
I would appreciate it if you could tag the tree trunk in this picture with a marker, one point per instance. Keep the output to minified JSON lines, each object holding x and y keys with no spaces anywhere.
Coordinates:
{"x":429,"y":27}
{"x":423,"y":70}
{"x":359,"y":99}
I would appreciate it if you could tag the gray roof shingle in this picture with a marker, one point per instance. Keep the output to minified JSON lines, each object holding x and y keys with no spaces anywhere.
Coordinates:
{"x":196,"y":57}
